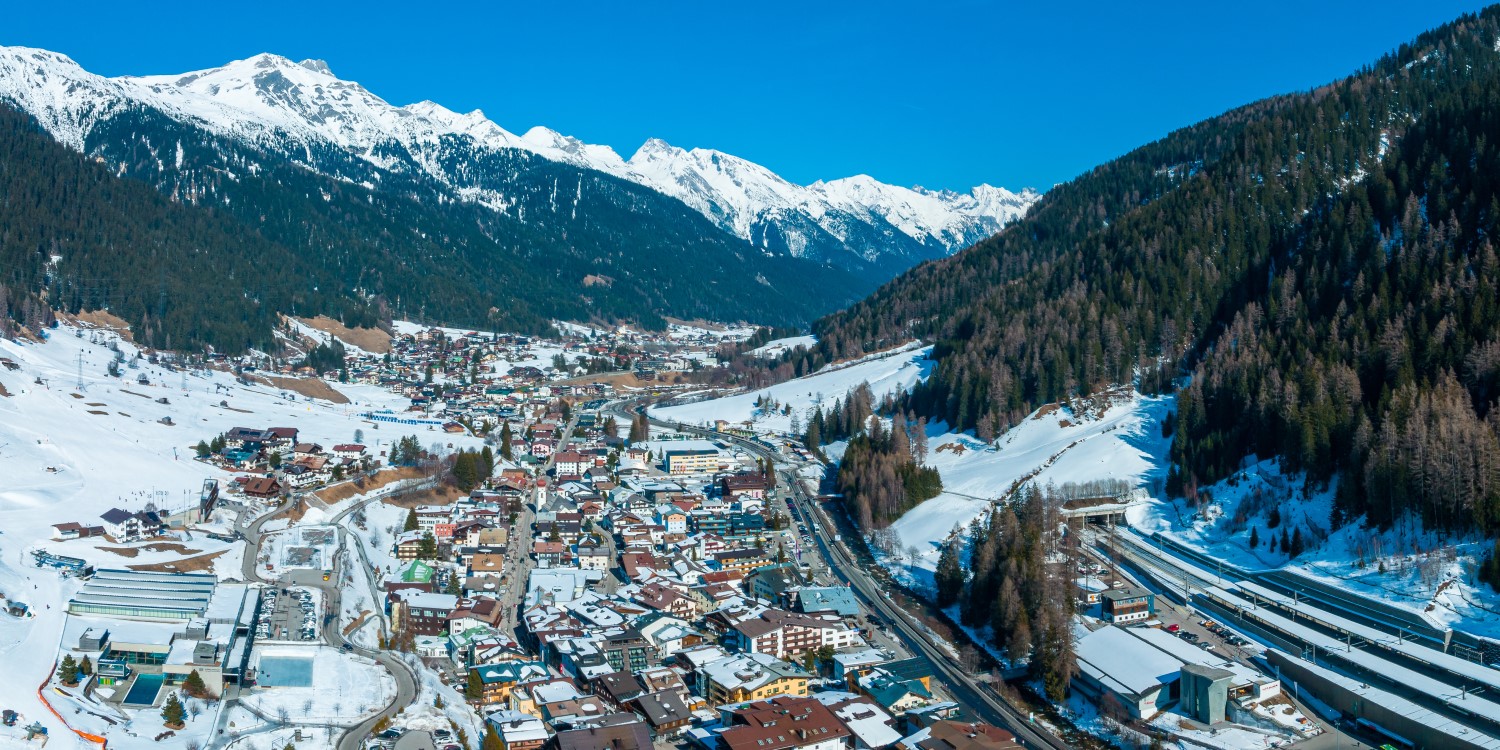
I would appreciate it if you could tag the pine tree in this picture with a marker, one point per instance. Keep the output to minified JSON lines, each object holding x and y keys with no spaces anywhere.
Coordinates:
{"x":492,"y":740}
{"x":85,"y":667}
{"x":202,"y":449}
{"x":194,"y":685}
{"x":486,"y":463}
{"x":427,"y":548}
{"x":411,"y":521}
{"x":506,"y":452}
{"x":173,"y":714}
{"x":1254,"y":537}
{"x":474,"y":687}
{"x":68,"y":672}
{"x":950,"y":574}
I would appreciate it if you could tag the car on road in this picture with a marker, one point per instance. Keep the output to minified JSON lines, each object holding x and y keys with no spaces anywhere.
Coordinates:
{"x":348,"y":647}
{"x":1173,"y":628}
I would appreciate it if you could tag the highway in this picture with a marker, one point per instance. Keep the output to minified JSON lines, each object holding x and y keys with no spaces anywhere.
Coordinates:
{"x":975,"y":696}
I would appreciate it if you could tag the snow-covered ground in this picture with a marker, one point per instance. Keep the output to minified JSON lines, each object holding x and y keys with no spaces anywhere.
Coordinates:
{"x":777,"y":347}
{"x":885,"y":372}
{"x":69,"y":454}
{"x":345,"y":688}
{"x":1429,"y":573}
{"x":1056,"y":444}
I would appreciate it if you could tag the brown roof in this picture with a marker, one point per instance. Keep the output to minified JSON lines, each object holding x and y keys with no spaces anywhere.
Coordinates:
{"x":780,"y":723}
{"x":957,"y":735}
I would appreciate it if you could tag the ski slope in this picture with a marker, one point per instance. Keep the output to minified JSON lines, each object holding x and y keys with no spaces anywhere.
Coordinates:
{"x":69,"y":454}
{"x":1055,"y":444}
{"x":886,"y":372}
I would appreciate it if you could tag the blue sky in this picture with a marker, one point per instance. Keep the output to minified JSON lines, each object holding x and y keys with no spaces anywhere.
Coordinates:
{"x":941,"y":94}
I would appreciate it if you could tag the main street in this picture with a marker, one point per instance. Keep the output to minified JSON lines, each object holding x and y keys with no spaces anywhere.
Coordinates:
{"x":972,"y":693}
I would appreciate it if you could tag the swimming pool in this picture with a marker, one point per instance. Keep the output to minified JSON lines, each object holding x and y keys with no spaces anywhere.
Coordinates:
{"x":143,"y":691}
{"x":284,"y":671}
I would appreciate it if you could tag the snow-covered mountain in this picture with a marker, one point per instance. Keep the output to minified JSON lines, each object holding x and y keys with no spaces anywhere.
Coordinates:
{"x":301,"y":110}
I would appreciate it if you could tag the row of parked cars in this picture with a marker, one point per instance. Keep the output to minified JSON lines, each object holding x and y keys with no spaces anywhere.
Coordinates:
{"x":264,"y":628}
{"x":441,"y":738}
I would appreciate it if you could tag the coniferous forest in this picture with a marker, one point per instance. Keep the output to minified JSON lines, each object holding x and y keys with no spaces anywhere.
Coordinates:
{"x":1321,"y":266}
{"x":207,"y":251}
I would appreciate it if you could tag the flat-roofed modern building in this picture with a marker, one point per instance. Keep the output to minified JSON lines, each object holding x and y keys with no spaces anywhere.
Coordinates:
{"x":138,"y":595}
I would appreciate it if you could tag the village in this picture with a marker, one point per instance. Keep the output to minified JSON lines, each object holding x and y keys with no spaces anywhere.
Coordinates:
{"x":497,"y":557}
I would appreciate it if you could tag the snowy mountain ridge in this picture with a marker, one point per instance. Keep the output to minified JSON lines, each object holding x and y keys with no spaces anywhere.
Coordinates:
{"x":298,"y":109}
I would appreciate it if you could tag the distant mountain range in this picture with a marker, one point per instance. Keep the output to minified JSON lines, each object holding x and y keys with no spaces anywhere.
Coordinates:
{"x":302,"y":113}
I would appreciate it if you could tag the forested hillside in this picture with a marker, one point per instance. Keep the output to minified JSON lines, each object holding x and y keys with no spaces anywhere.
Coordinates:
{"x":1321,"y":264}
{"x":230,"y":236}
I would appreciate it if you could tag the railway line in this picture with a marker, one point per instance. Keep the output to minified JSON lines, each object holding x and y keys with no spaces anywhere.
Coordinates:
{"x":978,"y":698}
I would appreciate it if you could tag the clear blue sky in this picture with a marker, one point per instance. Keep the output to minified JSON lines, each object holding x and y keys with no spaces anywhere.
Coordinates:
{"x":941,"y":94}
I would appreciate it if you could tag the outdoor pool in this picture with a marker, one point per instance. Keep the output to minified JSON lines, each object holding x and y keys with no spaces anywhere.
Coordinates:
{"x":143,"y":691}
{"x":284,"y":671}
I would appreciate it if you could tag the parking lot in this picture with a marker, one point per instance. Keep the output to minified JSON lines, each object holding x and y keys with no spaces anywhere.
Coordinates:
{"x":288,"y":615}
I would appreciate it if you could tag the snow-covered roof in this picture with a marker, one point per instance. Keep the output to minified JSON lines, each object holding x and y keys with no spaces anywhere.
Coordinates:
{"x":1124,"y":662}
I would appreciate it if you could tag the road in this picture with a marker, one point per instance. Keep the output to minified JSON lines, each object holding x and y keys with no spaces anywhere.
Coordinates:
{"x":401,"y":673}
{"x":974,"y":695}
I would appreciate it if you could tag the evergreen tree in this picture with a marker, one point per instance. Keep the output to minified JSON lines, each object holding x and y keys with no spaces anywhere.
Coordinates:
{"x":492,"y":740}
{"x":85,"y":667}
{"x":68,"y":672}
{"x":950,"y":574}
{"x":1254,"y":537}
{"x":427,"y":548}
{"x":194,"y":685}
{"x":173,"y":713}
{"x":474,"y":686}
{"x":486,"y":465}
{"x":506,"y":451}
{"x":411,"y":521}
{"x":202,"y":449}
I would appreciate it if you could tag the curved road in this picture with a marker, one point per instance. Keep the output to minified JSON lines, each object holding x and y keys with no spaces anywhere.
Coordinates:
{"x":978,"y":697}
{"x":406,"y":679}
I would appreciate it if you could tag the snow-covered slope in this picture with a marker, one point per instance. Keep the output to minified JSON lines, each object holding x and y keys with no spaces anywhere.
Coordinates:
{"x":886,"y":372}
{"x":298,"y":109}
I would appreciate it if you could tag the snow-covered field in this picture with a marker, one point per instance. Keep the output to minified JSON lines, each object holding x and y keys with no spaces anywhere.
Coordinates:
{"x":885,"y":372}
{"x":1429,"y":573}
{"x":1055,"y":444}
{"x":777,"y":347}
{"x":345,"y":688}
{"x":69,"y":454}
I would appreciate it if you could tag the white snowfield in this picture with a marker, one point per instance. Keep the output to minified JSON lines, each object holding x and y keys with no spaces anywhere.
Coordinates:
{"x":885,"y":372}
{"x":67,"y":457}
{"x":268,"y":99}
{"x":1053,"y":445}
{"x":777,"y":347}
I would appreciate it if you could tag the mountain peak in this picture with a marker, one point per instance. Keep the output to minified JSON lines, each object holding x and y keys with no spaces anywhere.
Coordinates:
{"x":317,"y":66}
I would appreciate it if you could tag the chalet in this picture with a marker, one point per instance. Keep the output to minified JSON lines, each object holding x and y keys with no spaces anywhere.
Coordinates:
{"x":476,"y":612}
{"x":665,"y":712}
{"x":408,"y":545}
{"x":785,"y":723}
{"x":736,"y":486}
{"x":1128,"y":604}
{"x":571,"y":463}
{"x":125,"y":526}
{"x":247,"y":438}
{"x":281,"y":437}
{"x":264,"y":488}
{"x":304,"y":450}
{"x":548,"y":554}
{"x":351,"y":451}
{"x":425,"y":613}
